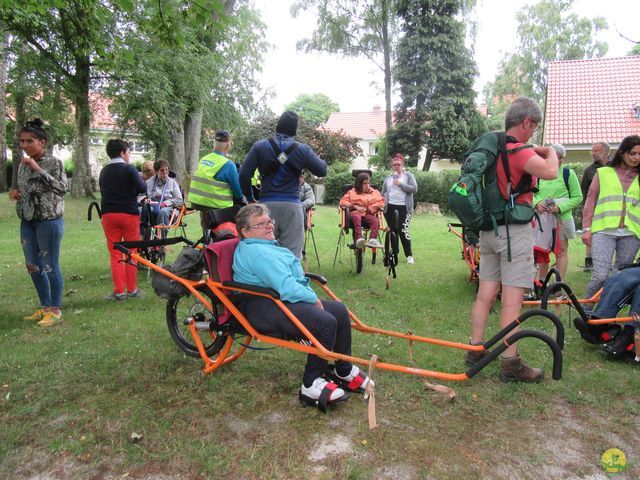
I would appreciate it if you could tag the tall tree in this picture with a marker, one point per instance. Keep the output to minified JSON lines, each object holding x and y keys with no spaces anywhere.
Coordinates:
{"x":355,"y":28}
{"x":435,"y":72}
{"x":547,"y":32}
{"x":314,"y":107}
{"x":154,"y":96}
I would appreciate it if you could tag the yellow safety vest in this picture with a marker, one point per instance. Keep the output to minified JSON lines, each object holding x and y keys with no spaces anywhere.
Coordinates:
{"x":611,"y":201}
{"x":205,"y":190}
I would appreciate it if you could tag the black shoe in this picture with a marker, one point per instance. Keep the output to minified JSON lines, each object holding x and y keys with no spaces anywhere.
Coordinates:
{"x":596,"y":334}
{"x":588,"y":264}
{"x":618,"y":347}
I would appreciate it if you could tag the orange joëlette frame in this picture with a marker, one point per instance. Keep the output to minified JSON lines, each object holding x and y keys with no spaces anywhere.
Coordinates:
{"x":469,"y":253}
{"x":220,"y":290}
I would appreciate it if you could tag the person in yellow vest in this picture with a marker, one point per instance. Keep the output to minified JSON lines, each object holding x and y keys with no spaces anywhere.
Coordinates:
{"x":216,"y":183}
{"x":611,"y":214}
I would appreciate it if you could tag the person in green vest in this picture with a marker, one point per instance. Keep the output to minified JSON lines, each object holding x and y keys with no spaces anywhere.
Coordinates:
{"x":216,"y":183}
{"x":560,"y":197}
{"x":611,"y":214}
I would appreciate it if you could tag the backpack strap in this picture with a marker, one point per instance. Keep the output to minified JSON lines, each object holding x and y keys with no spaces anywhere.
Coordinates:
{"x":565,"y":176}
{"x":282,"y":157}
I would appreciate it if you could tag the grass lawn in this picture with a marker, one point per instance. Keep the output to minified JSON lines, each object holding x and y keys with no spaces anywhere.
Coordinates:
{"x":73,"y":395}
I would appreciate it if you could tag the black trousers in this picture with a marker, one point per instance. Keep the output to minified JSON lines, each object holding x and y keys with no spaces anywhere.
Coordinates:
{"x":331,"y":327}
{"x":401,"y":228}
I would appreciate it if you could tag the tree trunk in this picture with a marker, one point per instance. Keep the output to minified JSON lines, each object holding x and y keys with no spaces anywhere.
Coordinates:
{"x":427,"y":161}
{"x":81,"y":181}
{"x":386,"y":49}
{"x":176,"y":148}
{"x":4,"y":37}
{"x":192,"y":132}
{"x":16,"y":151}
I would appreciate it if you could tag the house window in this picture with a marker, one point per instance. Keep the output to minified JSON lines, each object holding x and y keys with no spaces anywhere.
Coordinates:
{"x":97,"y":141}
{"x":372,"y":148}
{"x":139,"y":147}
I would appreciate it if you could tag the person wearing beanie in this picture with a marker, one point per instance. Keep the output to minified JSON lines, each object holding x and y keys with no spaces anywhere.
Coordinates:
{"x":280,"y":160}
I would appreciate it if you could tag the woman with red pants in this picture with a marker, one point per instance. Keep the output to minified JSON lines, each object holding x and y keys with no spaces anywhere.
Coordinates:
{"x":120,"y":184}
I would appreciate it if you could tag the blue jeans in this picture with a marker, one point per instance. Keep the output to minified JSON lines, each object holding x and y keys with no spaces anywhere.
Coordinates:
{"x":619,"y":290}
{"x":41,"y":245}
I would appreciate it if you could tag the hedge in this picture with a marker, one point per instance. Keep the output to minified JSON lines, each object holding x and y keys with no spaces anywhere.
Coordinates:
{"x":433,"y":187}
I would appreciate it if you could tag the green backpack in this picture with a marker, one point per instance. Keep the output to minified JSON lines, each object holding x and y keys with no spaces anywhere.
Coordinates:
{"x":476,"y":198}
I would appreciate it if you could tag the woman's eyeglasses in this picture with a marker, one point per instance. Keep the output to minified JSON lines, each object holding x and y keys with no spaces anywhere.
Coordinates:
{"x":264,"y":224}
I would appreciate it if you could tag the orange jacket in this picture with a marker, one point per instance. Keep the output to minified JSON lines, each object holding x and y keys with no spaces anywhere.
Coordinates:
{"x":372,"y":200}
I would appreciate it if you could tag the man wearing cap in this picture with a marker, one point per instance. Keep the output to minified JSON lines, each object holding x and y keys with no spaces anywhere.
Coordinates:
{"x":280,"y":161}
{"x":215,"y":183}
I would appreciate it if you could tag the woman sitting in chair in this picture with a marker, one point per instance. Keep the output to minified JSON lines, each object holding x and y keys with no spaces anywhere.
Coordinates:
{"x":163,"y":195}
{"x":363,"y":201}
{"x":259,"y":261}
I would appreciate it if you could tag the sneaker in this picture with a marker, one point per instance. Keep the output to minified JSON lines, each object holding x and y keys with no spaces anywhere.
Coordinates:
{"x":588,"y":264}
{"x":515,"y":370}
{"x":50,"y":319}
{"x":618,"y":347}
{"x":314,"y":392}
{"x":119,"y":297}
{"x":355,"y":381}
{"x":474,"y":356}
{"x":410,"y":260}
{"x":360,"y":242}
{"x":137,"y":293}
{"x":374,"y":243}
{"x":37,"y":315}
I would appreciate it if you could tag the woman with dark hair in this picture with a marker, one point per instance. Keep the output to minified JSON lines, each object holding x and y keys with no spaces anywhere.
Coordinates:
{"x":41,"y":186}
{"x":611,"y":214}
{"x":363,"y":201}
{"x":163,"y":195}
{"x":120,"y":184}
{"x":397,"y":191}
{"x":260,"y":261}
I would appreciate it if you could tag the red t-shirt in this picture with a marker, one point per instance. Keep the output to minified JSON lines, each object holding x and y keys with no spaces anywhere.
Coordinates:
{"x":517,"y":161}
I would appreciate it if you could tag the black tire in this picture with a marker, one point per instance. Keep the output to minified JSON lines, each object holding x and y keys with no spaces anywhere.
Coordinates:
{"x":359,"y":254}
{"x":180,"y":308}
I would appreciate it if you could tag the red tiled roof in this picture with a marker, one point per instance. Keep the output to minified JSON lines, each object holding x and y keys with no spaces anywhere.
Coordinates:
{"x":101,"y":118}
{"x":361,"y":125}
{"x":592,"y":100}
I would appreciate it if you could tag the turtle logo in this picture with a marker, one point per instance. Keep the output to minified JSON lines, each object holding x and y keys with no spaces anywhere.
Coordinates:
{"x":613,"y":460}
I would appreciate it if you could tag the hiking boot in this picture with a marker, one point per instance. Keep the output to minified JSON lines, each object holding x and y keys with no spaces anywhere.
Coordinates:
{"x":118,"y":297}
{"x":515,"y":370}
{"x":474,"y":357}
{"x":137,"y":293}
{"x":374,"y":243}
{"x":618,"y":347}
{"x":360,"y":242}
{"x":588,"y":264}
{"x":50,"y":319}
{"x":37,"y":315}
{"x":410,"y":260}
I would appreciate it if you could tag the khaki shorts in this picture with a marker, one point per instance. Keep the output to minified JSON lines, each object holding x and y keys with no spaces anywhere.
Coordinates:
{"x":494,"y":264}
{"x":567,"y":229}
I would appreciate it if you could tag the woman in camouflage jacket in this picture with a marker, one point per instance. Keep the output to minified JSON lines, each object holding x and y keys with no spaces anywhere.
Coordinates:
{"x":39,"y":198}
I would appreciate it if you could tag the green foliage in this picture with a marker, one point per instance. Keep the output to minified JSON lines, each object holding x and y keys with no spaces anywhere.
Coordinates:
{"x":435,"y":72}
{"x":381,"y":158}
{"x":355,"y":28}
{"x":635,"y":50}
{"x":547,"y":32}
{"x":315,"y":108}
{"x":332,"y":147}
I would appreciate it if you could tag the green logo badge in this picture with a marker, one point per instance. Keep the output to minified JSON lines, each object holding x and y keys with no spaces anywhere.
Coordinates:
{"x":613,"y":460}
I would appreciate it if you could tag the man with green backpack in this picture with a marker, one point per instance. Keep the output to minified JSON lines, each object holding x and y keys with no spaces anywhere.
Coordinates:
{"x":494,"y":195}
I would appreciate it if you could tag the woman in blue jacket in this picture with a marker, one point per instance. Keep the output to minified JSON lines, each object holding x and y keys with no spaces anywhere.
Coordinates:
{"x":259,"y":261}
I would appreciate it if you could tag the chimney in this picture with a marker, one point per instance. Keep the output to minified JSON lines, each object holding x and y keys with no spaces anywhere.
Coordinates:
{"x":376,"y":108}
